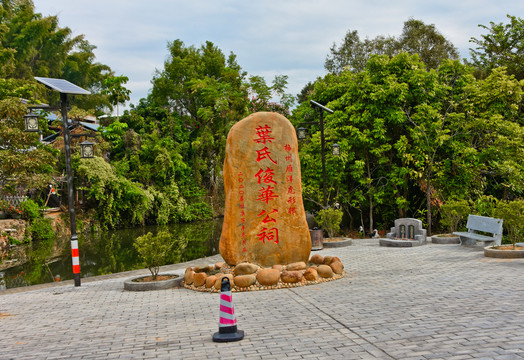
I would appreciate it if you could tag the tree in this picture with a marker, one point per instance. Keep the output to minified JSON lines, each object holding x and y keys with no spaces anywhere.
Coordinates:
{"x":416,"y":38}
{"x":503,"y":45}
{"x":117,"y":93}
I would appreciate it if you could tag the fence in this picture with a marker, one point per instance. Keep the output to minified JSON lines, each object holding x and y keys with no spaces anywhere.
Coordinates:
{"x":14,"y":200}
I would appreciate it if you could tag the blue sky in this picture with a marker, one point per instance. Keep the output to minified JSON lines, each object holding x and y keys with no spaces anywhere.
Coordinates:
{"x":288,"y":37}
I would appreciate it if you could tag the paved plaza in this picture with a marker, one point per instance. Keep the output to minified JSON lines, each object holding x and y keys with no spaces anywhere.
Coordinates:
{"x":427,"y":302}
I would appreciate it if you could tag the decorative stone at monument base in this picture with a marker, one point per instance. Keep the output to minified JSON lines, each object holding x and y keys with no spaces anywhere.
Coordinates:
{"x":319,"y":269}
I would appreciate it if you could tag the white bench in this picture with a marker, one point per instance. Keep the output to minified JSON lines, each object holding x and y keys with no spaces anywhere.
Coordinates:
{"x":484,"y":224}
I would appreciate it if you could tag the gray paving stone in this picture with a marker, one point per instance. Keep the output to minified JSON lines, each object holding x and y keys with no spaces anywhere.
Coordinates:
{"x":428,"y":302}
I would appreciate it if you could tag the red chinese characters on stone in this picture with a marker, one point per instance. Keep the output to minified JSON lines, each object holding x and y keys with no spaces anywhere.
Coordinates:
{"x":265,"y":176}
{"x":269,"y":235}
{"x":264,"y":134}
{"x":291,"y":200}
{"x":242,"y":206}
{"x":264,"y":154}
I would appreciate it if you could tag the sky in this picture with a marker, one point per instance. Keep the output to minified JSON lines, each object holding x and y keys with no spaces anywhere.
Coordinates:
{"x":271,"y":37}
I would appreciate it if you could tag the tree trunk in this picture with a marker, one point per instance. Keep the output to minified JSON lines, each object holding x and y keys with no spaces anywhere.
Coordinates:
{"x":428,"y":205}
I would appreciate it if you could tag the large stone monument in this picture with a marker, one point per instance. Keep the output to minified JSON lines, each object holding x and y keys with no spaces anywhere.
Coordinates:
{"x":264,"y":221}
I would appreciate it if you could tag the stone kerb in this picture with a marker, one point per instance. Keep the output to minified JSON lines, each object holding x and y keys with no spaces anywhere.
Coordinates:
{"x":264,"y":219}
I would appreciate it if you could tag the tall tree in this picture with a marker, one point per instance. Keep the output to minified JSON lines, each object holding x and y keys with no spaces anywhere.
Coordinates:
{"x":503,"y":45}
{"x":117,"y":93}
{"x":416,"y":38}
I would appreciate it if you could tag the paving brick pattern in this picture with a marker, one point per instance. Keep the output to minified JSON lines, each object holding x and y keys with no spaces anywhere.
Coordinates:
{"x":427,"y":302}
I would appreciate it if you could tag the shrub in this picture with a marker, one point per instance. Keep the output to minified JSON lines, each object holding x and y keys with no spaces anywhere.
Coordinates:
{"x":512,"y":212}
{"x":329,"y":219}
{"x":485,"y":205}
{"x":153,"y":250}
{"x":30,"y":210}
{"x":41,"y":230}
{"x":453,"y":213}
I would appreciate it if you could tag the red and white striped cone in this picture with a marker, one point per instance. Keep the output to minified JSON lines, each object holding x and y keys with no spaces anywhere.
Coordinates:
{"x":227,"y":325}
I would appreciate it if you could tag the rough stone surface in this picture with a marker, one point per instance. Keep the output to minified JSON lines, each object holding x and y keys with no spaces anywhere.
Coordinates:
{"x":210,"y":281}
{"x":264,"y":221}
{"x":279,"y":267}
{"x":188,"y":276}
{"x":328,"y":260}
{"x":203,"y":268}
{"x":218,"y":282}
{"x":199,"y":279}
{"x":268,"y":277}
{"x":317,"y":259}
{"x":337,"y":267}
{"x":245,"y":269}
{"x":311,"y":274}
{"x":296,"y":266}
{"x":245,"y":280}
{"x":219,"y":265}
{"x":291,"y":276}
{"x":325,"y":271}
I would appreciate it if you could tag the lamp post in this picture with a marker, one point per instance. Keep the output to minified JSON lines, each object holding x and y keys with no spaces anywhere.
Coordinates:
{"x":301,"y":135}
{"x":64,"y":87}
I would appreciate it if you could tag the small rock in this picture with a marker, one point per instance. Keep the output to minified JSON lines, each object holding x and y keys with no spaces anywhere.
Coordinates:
{"x":311,"y":274}
{"x":218,"y":283}
{"x":296,"y":266}
{"x":245,"y":269}
{"x":337,"y":267}
{"x":335,"y":258}
{"x":188,"y":276}
{"x":327,"y":260}
{"x":317,"y":259}
{"x":279,"y":267}
{"x":245,"y":281}
{"x":210,"y":281}
{"x":202,"y":268}
{"x":325,"y":271}
{"x":291,"y":277}
{"x":219,"y":265}
{"x":268,"y":277}
{"x":199,"y":279}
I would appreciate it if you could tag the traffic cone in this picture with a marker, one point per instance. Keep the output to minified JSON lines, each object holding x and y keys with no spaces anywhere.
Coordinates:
{"x":227,"y":325}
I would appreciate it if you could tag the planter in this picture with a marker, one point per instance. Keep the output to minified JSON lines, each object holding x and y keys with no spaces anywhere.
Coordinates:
{"x":337,"y":242}
{"x":496,"y":252}
{"x":445,"y":239}
{"x":135,"y":284}
{"x":16,"y":216}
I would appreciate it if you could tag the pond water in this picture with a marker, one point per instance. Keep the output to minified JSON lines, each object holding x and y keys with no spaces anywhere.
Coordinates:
{"x":111,"y":252}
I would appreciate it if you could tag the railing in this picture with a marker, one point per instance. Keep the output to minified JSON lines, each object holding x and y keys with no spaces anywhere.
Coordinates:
{"x":14,"y":200}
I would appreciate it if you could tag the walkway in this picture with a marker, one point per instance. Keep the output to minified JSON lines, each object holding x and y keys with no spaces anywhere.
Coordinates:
{"x":427,"y":302}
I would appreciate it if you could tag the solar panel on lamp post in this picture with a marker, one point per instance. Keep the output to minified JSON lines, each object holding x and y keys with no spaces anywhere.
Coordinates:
{"x":64,"y":87}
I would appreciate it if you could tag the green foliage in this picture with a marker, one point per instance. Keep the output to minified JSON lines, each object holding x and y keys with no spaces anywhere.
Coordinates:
{"x":454,"y":212}
{"x":503,"y":45}
{"x":416,"y":38}
{"x":485,"y":205}
{"x":155,"y":250}
{"x":512,"y":212}
{"x":41,"y":230}
{"x":30,"y":210}
{"x":329,"y":219}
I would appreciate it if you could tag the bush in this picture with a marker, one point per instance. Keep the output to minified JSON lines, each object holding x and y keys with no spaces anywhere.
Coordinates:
{"x":453,"y":213}
{"x":512,"y":212}
{"x":30,"y":210}
{"x":41,"y":230}
{"x":154,"y":250}
{"x":329,"y":220}
{"x":485,"y":205}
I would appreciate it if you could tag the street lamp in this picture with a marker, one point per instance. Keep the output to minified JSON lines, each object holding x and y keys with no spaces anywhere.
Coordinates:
{"x":87,"y":149}
{"x":64,"y":87}
{"x":31,"y":122}
{"x":301,"y":134}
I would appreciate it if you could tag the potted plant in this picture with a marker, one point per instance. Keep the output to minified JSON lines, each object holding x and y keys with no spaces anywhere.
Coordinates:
{"x":512,"y":212}
{"x":15,"y":212}
{"x":329,"y":219}
{"x":453,"y":212}
{"x":154,"y":250}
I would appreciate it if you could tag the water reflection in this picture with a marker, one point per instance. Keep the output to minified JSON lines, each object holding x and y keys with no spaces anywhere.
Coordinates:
{"x":110,"y":252}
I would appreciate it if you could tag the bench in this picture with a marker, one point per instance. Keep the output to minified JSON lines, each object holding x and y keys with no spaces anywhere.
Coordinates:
{"x":484,"y":224}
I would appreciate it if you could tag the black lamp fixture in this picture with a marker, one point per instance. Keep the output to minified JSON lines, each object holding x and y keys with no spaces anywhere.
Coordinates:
{"x":301,"y":133}
{"x":336,"y":149}
{"x":87,"y":149}
{"x":31,"y":122}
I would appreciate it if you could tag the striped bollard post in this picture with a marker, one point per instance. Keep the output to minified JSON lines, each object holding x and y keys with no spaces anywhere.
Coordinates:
{"x":227,"y":324}
{"x":76,"y":259}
